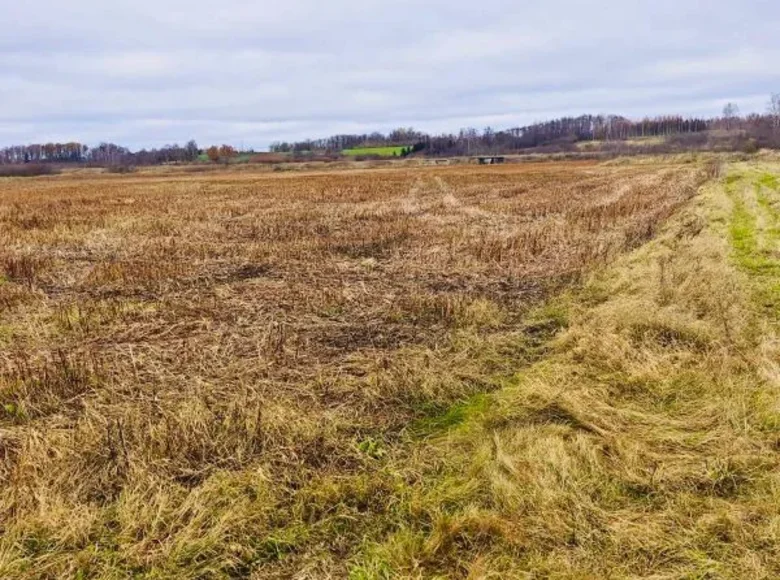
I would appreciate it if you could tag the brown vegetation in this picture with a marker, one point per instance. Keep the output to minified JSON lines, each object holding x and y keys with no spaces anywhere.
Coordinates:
{"x":644,"y":444}
{"x":28,"y":170}
{"x":211,"y":375}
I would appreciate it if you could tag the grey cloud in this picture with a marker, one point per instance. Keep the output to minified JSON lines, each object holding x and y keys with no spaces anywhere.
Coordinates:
{"x":146,"y":73}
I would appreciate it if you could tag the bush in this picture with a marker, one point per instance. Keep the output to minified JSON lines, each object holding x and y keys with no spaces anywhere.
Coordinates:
{"x":750,"y":146}
{"x":27,"y":170}
{"x":120,"y":169}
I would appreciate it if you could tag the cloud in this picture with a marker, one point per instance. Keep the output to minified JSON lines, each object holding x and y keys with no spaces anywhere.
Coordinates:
{"x":146,"y":73}
{"x":746,"y":62}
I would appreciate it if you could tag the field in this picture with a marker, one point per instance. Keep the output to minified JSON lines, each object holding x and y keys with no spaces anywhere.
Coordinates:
{"x":457,"y":371}
{"x":390,"y":151}
{"x":240,"y":158}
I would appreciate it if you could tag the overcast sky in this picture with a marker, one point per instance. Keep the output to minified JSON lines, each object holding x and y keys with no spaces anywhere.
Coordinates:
{"x":144,"y":73}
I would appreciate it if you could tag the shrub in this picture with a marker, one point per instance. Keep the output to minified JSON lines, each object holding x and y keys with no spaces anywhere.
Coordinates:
{"x":121,"y":169}
{"x":27,"y":170}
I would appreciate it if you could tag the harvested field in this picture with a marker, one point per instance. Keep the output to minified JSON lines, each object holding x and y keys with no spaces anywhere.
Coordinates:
{"x":224,"y":374}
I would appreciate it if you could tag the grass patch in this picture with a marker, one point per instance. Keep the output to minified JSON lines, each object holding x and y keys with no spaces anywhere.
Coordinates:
{"x":452,"y":418}
{"x":389,"y":151}
{"x":756,"y":247}
{"x":769,"y":180}
{"x":6,"y":334}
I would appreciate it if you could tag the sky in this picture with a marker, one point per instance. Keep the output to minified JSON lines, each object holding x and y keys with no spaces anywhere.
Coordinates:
{"x":145,"y":73}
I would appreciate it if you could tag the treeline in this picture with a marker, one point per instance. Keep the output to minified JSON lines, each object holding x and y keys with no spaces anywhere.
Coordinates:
{"x":729,"y":131}
{"x":564,"y":133}
{"x":337,"y":143}
{"x":582,"y":128}
{"x":105,"y":154}
{"x":472,"y":141}
{"x":40,"y":153}
{"x":604,"y":128}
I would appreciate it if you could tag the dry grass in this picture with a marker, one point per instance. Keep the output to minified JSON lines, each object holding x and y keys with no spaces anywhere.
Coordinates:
{"x":645,"y":445}
{"x":230,"y":374}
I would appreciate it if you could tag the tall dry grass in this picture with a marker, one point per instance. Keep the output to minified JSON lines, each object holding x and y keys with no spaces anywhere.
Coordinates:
{"x":217,"y":375}
{"x":645,"y":444}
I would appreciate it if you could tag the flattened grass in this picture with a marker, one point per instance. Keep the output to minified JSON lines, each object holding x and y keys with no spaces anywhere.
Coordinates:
{"x":234,"y":374}
{"x":643,"y":445}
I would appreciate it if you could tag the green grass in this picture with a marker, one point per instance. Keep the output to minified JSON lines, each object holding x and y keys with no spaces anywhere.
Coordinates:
{"x":392,"y":151}
{"x":769,"y":180}
{"x":743,"y":235}
{"x":755,"y":247}
{"x":6,"y":334}
{"x":451,"y":418}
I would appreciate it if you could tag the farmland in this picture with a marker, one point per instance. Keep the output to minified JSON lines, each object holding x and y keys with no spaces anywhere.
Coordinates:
{"x":390,"y":373}
{"x":387,"y":151}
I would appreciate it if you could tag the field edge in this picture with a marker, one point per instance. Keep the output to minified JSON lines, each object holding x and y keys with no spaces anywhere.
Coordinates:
{"x":644,"y":444}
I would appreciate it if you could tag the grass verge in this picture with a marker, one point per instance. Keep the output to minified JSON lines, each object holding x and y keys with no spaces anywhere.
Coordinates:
{"x":644,"y":445}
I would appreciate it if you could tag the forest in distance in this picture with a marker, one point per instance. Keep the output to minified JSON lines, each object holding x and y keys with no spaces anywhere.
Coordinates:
{"x":610,"y":134}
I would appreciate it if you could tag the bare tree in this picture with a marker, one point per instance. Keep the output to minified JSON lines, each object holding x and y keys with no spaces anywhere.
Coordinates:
{"x":730,"y":112}
{"x":774,"y":109}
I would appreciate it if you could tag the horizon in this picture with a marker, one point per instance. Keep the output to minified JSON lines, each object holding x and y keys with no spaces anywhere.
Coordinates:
{"x":385,"y":132}
{"x":243,"y":74}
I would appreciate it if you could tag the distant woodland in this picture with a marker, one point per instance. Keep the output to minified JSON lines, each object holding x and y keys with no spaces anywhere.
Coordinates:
{"x":610,"y":134}
{"x":729,"y":131}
